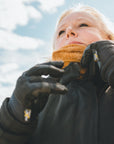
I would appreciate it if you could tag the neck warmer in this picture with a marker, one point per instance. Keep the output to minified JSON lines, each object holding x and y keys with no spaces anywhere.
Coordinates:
{"x":69,"y":53}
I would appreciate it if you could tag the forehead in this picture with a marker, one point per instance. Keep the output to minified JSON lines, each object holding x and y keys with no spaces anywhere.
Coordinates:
{"x":75,"y":16}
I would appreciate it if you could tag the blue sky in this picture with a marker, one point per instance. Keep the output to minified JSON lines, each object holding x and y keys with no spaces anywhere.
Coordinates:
{"x":26,"y":32}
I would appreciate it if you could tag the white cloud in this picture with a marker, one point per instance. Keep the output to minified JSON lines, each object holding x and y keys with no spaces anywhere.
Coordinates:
{"x":5,"y":92}
{"x":19,"y":12}
{"x":15,"y":12}
{"x":47,"y":5}
{"x":7,"y":68}
{"x":11,"y":41}
{"x":50,"y":5}
{"x":8,"y":75}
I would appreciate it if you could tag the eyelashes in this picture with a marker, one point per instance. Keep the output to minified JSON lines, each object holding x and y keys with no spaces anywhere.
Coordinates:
{"x":83,"y":25}
{"x":62,"y":31}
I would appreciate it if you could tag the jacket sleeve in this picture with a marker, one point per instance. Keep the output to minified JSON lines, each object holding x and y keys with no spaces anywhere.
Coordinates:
{"x":11,"y":130}
{"x":106,"y":117}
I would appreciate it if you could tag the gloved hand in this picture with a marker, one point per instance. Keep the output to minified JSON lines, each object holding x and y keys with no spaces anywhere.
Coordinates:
{"x":32,"y":90}
{"x":71,"y":72}
{"x":105,"y":62}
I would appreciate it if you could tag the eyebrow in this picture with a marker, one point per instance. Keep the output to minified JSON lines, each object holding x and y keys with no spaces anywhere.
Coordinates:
{"x":80,"y":18}
{"x":85,"y":19}
{"x":59,"y":27}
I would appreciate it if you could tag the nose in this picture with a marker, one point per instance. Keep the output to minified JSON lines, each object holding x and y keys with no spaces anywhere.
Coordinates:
{"x":70,"y":32}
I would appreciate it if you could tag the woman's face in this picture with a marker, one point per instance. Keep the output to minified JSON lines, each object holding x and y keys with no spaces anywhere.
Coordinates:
{"x":78,"y":28}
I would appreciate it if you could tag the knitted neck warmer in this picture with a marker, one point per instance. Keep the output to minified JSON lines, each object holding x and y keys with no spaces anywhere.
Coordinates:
{"x":69,"y":53}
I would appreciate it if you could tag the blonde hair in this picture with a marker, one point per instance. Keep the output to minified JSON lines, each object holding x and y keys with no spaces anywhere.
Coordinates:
{"x":105,"y":22}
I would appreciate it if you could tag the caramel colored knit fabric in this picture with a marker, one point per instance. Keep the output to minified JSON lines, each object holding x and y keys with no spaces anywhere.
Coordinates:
{"x":69,"y":53}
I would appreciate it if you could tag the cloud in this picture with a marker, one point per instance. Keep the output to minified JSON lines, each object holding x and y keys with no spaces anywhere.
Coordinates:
{"x":8,"y":75}
{"x":11,"y":41}
{"x":50,"y":5}
{"x":19,"y":12}
{"x":15,"y":12}
{"x":5,"y":92}
{"x":47,"y":5}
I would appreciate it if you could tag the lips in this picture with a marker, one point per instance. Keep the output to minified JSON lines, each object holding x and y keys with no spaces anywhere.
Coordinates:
{"x":75,"y":42}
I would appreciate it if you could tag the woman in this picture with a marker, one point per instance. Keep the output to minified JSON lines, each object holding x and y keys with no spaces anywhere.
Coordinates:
{"x":75,"y":103}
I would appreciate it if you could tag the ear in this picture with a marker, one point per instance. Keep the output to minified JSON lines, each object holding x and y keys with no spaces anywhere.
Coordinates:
{"x":109,"y":37}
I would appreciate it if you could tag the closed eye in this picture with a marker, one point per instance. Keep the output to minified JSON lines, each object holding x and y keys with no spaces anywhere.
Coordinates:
{"x":83,"y":25}
{"x":62,"y":31}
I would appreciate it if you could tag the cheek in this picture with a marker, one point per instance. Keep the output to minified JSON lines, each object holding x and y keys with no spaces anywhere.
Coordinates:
{"x":92,"y":36}
{"x":58,"y":44}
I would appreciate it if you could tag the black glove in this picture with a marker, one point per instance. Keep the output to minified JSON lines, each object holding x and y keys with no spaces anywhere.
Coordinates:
{"x":32,"y":90}
{"x":105,"y":62}
{"x":71,"y":72}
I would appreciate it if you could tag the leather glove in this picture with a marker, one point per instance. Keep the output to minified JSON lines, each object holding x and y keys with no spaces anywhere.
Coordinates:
{"x":71,"y":72}
{"x":105,"y":61}
{"x":32,"y":90}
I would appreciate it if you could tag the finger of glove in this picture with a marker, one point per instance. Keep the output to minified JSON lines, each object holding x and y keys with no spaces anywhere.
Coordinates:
{"x":72,"y":71}
{"x":39,"y":70}
{"x":45,"y":87}
{"x":87,"y":57}
{"x":105,"y":50}
{"x":32,"y":79}
{"x":58,"y":64}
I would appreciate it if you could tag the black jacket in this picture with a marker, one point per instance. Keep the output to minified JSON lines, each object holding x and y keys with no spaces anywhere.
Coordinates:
{"x":83,"y":116}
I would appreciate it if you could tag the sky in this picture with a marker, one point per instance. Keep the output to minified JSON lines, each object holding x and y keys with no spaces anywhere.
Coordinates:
{"x":26,"y":34}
